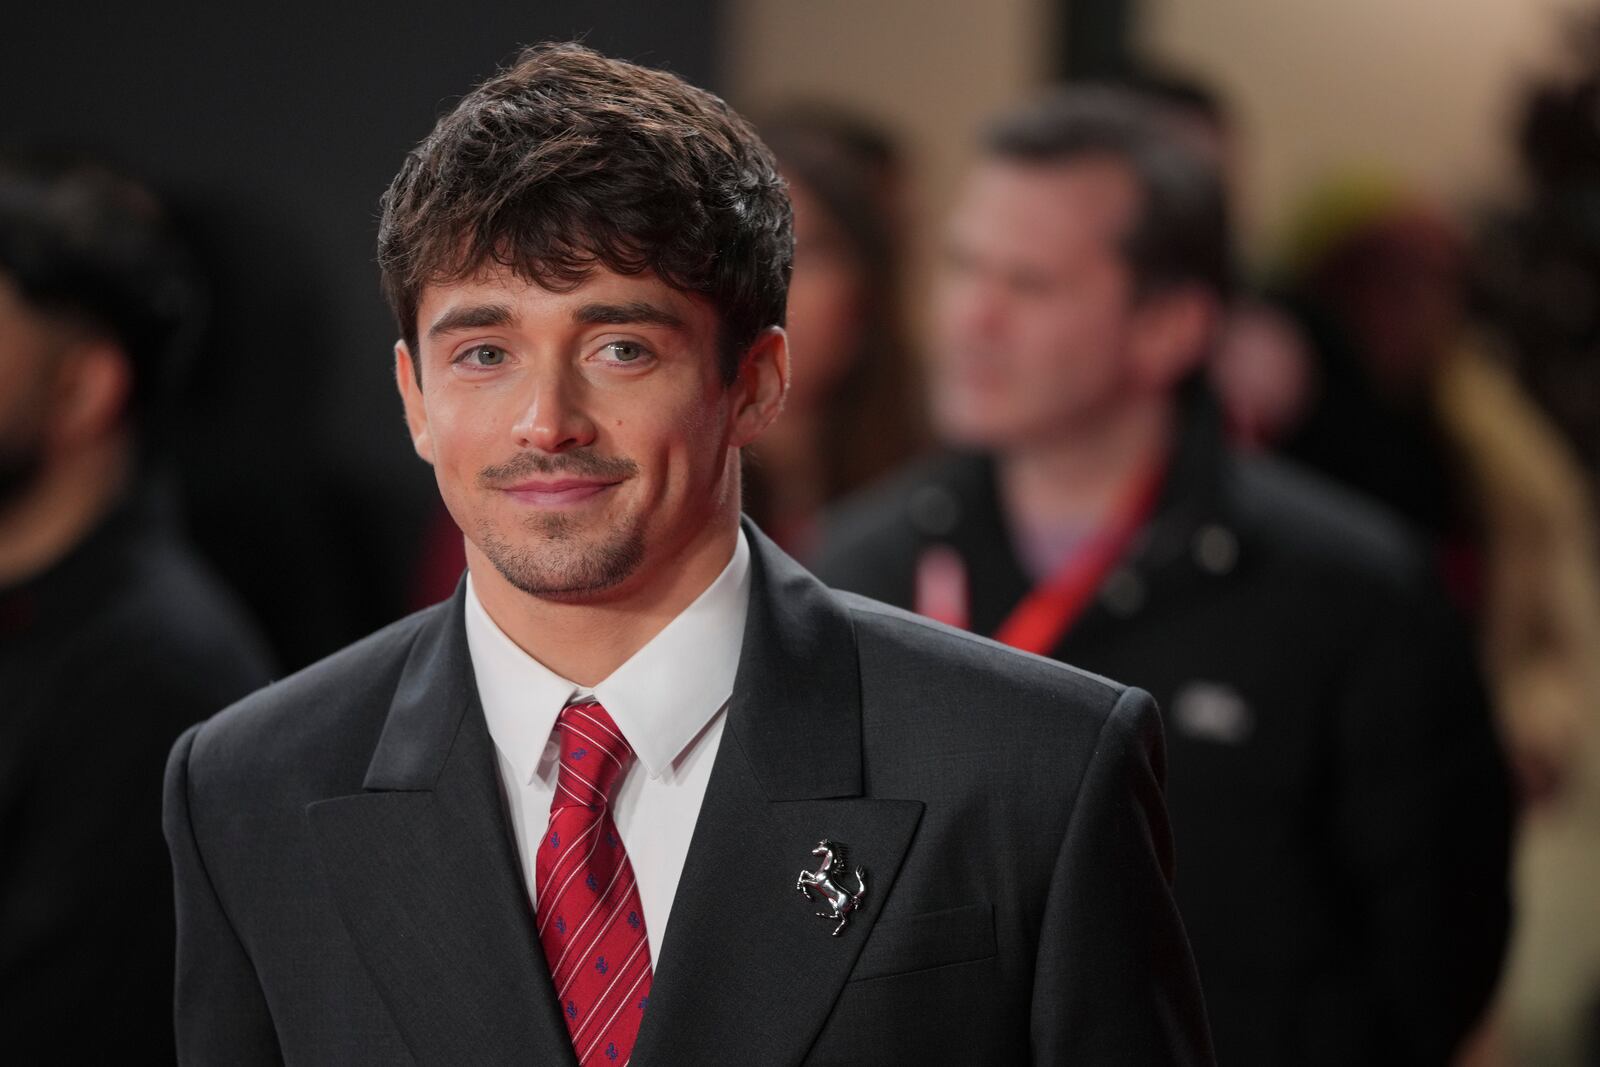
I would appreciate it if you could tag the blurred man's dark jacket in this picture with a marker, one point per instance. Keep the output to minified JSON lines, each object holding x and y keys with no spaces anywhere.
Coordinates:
{"x":104,"y":660}
{"x":1339,"y":802}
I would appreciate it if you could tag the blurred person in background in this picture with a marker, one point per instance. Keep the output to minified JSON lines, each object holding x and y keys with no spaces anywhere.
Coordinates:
{"x":854,"y":412}
{"x":113,"y":638}
{"x":1339,"y":802}
{"x":1378,"y":276}
{"x":1260,"y":365}
{"x":1538,"y":260}
{"x":1536,"y":268}
{"x":1413,"y":404}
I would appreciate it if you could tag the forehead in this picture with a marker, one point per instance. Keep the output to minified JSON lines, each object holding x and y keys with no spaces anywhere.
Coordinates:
{"x":528,"y":304}
{"x":1046,"y":210}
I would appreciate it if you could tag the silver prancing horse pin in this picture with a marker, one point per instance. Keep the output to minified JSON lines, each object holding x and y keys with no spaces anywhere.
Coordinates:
{"x":825,"y":881}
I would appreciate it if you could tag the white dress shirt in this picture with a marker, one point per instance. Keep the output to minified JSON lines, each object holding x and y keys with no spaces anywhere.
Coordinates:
{"x":669,"y":701}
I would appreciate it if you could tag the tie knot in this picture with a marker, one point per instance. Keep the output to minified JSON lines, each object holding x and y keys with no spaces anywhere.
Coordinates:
{"x":594,"y":756}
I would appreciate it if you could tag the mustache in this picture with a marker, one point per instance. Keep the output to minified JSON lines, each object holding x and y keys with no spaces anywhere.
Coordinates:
{"x":580,"y":463}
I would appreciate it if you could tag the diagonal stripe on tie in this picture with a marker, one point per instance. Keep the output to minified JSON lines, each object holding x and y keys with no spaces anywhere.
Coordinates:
{"x":557,"y":969}
{"x":589,"y":916}
{"x":554,"y":839}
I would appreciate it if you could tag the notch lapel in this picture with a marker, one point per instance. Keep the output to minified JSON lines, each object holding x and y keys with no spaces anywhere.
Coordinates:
{"x":424,"y":873}
{"x":748,"y":973}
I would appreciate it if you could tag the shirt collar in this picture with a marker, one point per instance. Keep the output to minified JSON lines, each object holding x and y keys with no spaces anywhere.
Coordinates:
{"x":660,"y":699}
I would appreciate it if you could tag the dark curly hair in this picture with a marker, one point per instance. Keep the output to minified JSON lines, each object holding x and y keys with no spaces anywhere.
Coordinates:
{"x":569,"y":160}
{"x":1181,"y":235}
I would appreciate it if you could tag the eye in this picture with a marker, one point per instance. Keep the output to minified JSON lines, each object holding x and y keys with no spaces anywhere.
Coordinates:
{"x":483,"y":356}
{"x":625,"y":352}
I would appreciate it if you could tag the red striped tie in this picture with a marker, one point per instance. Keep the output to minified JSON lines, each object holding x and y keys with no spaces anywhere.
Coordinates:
{"x":590,"y":920}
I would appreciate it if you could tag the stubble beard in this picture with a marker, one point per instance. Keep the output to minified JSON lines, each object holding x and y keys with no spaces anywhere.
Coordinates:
{"x":561,"y":560}
{"x":561,"y":556}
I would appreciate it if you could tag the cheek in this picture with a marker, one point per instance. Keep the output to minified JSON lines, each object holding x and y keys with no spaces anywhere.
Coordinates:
{"x":1083,"y":343}
{"x":682,"y":444}
{"x":467,"y":434}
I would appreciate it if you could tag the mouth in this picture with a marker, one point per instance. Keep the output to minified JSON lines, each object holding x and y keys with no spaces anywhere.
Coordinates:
{"x":559,"y":492}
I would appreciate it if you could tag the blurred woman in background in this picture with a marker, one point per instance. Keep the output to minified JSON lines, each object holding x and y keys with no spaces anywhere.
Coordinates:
{"x":855,"y":409}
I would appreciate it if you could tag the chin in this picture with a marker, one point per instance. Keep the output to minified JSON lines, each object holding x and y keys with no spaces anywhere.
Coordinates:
{"x":970,"y":430}
{"x":564,"y":561}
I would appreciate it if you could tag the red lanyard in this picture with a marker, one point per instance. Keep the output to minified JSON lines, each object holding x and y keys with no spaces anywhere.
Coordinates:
{"x":1044,"y":616}
{"x":940,"y":590}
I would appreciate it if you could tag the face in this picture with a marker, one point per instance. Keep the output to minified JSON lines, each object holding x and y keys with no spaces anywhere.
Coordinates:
{"x":28,"y":347}
{"x":582,"y":440}
{"x":1034,"y":316}
{"x":1403,"y":298}
{"x":825,"y":300}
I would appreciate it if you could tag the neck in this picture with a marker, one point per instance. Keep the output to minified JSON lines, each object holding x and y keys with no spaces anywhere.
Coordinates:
{"x":1081,"y":476}
{"x":64,"y":505}
{"x":586,"y":641}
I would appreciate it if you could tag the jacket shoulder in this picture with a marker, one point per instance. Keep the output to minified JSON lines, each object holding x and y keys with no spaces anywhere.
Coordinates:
{"x":927,"y":662}
{"x":1314,"y":524}
{"x":336,"y":705}
{"x":945,"y":711}
{"x":165,"y":623}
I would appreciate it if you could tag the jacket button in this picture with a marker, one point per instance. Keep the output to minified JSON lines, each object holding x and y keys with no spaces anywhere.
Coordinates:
{"x":1216,"y":549}
{"x":1123,"y":593}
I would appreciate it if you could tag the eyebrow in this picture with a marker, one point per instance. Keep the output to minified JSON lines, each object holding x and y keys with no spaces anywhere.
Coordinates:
{"x":472,"y":317}
{"x":633,"y":313}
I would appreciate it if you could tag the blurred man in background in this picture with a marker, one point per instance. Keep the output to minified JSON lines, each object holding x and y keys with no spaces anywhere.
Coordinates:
{"x":112,"y":637}
{"x":1338,"y":798}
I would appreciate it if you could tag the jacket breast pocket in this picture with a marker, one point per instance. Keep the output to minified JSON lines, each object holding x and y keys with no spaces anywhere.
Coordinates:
{"x":963,"y":934}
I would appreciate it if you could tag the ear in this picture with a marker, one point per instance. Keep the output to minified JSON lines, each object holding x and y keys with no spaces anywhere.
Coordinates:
{"x":761,"y":386}
{"x":405,"y":379}
{"x":91,"y":392}
{"x":1172,"y":332}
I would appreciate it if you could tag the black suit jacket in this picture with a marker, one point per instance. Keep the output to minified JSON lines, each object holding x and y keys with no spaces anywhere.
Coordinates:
{"x":104,"y":660}
{"x":348,"y":889}
{"x":1337,"y":796}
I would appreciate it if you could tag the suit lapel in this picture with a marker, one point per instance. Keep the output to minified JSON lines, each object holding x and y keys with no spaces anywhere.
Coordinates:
{"x":424,"y":873}
{"x":748,"y":973}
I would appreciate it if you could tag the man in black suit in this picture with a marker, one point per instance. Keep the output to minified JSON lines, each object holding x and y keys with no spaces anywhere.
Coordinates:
{"x":643,"y":788}
{"x":114,"y":639}
{"x":1337,"y":796}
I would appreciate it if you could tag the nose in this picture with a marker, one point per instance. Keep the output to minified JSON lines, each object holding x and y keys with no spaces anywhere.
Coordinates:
{"x":554,"y":418}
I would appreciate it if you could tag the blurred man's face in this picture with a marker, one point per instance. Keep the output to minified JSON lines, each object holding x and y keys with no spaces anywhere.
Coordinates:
{"x":1034,"y":305}
{"x":580,"y":439}
{"x":27,"y":344}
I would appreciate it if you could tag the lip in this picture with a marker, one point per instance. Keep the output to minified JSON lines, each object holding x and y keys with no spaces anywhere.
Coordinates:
{"x":560,"y":492}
